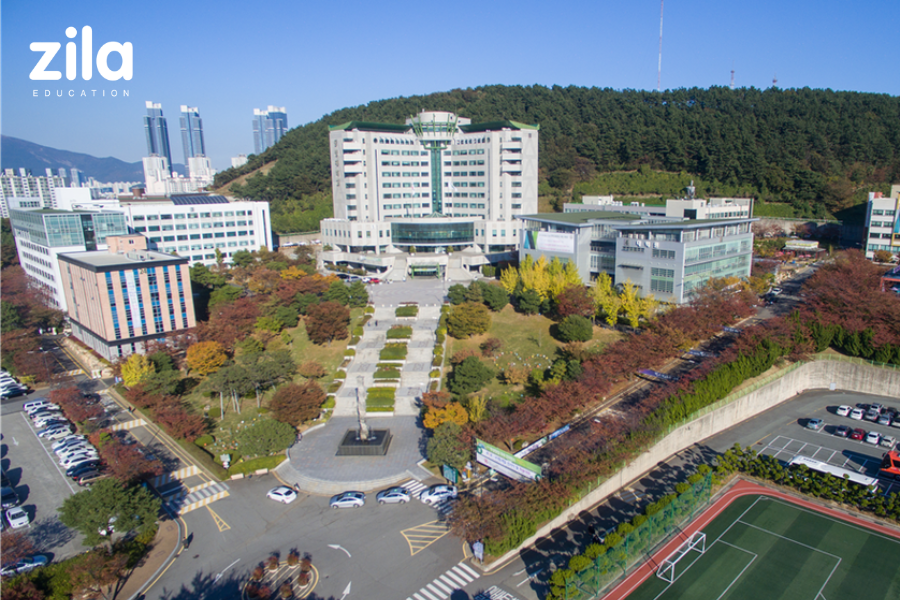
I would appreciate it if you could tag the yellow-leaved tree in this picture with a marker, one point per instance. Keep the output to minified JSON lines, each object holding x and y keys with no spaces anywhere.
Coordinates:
{"x":206,"y":357}
{"x":606,"y":299}
{"x":630,"y":303}
{"x":453,"y":412}
{"x":509,"y":279}
{"x":477,"y":406}
{"x":136,"y":369}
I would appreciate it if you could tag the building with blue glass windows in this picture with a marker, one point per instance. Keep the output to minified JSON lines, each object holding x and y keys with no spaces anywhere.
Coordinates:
{"x":157,"y":132}
{"x":268,"y":127}
{"x":42,"y":234}
{"x":122,"y":298}
{"x":192,"y":133}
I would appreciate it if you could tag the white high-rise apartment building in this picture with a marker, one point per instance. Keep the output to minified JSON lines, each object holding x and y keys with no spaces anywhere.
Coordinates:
{"x":20,"y":183}
{"x":437,"y":181}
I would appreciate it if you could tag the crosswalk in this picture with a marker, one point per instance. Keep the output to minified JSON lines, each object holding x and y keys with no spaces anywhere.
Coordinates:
{"x":454,"y":579}
{"x":416,"y":487}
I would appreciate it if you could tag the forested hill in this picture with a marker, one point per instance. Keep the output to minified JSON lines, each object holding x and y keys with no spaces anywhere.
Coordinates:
{"x":810,"y":148}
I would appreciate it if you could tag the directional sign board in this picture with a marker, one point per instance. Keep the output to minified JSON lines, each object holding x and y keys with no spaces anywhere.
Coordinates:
{"x":505,"y":463}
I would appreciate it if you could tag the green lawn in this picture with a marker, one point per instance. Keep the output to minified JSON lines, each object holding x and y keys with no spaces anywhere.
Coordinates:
{"x":762,"y":547}
{"x":526,"y":341}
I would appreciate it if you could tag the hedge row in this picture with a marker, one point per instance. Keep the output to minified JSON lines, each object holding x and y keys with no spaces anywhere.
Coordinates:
{"x":250,"y":466}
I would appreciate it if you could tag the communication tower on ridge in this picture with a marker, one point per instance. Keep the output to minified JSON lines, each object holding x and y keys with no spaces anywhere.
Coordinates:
{"x":659,"y":69}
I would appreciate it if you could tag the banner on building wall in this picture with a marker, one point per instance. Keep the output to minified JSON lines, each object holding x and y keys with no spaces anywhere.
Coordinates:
{"x":555,"y":242}
{"x":505,"y":463}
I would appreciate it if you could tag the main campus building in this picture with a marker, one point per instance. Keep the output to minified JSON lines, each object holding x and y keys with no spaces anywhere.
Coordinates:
{"x":438,"y":182}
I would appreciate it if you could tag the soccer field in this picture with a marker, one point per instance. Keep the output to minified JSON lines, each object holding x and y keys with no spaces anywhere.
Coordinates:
{"x":762,"y":548}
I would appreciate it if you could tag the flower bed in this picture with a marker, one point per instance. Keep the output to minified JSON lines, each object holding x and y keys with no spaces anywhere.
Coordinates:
{"x":407,"y":311}
{"x":380,"y":399}
{"x":391,"y":373}
{"x":394,"y":351}
{"x":399,"y":332}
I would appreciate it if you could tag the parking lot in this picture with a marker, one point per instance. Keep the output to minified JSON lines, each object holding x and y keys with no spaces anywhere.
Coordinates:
{"x":796,"y":439}
{"x":41,"y":485}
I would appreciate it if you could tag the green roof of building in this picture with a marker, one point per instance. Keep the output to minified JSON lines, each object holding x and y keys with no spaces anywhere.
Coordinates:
{"x":394,"y":128}
{"x":694,"y":223}
{"x":370,"y":126}
{"x":497,"y":126}
{"x":582,"y":217}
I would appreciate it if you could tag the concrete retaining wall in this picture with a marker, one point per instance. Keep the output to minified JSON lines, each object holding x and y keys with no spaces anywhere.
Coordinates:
{"x":813,"y":375}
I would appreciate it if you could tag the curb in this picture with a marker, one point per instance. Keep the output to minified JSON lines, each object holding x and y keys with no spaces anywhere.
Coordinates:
{"x":169,"y":559}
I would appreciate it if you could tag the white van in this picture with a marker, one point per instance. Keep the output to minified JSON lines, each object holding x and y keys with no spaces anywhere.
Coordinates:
{"x":33,"y":405}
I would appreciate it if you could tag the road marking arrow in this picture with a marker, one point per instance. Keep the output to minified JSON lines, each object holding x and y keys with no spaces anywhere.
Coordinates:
{"x":346,"y":589}
{"x":342,"y":549}
{"x":219,"y":575}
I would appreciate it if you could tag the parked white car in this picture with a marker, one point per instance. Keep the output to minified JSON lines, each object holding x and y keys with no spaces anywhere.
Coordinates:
{"x":438,"y":493}
{"x":282,"y":494}
{"x":857,"y":414}
{"x":17,"y":517}
{"x":873,"y":437}
{"x":843,"y":410}
{"x":68,"y":441}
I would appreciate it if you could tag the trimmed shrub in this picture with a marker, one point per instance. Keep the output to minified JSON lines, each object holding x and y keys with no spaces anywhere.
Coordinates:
{"x":204,"y":440}
{"x":435,"y":374}
{"x":370,"y":310}
{"x":249,"y":466}
{"x":350,"y":352}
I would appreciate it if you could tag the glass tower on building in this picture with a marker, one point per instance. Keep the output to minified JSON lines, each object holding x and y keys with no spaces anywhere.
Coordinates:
{"x":192,"y":133}
{"x":268,"y":127}
{"x":157,"y":132}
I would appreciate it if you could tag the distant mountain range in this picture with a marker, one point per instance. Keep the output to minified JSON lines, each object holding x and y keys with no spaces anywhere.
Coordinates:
{"x":16,"y":153}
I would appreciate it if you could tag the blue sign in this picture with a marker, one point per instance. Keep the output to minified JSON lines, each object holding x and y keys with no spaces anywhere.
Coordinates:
{"x":558,"y":432}
{"x":731,"y":330}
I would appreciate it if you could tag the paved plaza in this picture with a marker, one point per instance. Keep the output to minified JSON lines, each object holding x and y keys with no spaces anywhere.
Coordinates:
{"x":313,"y":463}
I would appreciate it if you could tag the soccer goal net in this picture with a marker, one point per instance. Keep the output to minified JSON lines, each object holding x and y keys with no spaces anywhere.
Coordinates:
{"x":668,"y":569}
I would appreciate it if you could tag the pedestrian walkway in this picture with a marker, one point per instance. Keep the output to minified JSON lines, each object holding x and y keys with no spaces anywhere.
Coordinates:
{"x":453,"y":580}
{"x":187,"y":500}
{"x":414,"y":373}
{"x":415,"y":488}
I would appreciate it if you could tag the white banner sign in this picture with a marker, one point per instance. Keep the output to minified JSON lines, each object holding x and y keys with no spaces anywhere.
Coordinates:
{"x":556,"y":242}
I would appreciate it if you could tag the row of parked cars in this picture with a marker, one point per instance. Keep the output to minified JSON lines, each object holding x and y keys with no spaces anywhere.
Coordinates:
{"x":10,"y":387}
{"x":394,"y":495}
{"x":75,"y":453}
{"x":15,"y":517}
{"x":875,"y":412}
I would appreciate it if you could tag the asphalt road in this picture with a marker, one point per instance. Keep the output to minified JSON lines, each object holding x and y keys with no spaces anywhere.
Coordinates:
{"x":232,"y":536}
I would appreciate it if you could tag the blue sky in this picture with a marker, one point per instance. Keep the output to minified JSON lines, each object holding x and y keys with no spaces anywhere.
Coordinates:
{"x":229,"y":57}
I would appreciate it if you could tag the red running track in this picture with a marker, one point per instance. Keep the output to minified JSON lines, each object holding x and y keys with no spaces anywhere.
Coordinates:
{"x":742,"y":488}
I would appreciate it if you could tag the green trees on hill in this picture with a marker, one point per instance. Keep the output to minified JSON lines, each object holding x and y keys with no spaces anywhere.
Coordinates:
{"x":811,"y":148}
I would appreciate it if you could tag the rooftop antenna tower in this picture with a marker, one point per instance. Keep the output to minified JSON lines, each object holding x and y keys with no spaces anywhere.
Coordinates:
{"x":659,"y":68}
{"x":732,"y":76}
{"x":775,"y":80}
